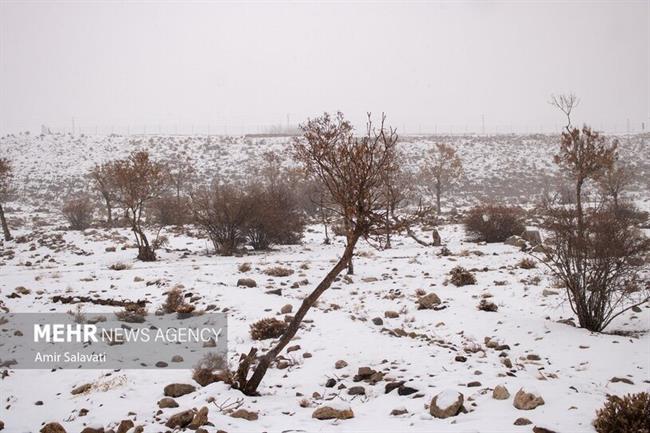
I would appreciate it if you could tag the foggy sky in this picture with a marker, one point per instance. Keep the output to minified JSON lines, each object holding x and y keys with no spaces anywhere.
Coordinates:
{"x":427,"y":65}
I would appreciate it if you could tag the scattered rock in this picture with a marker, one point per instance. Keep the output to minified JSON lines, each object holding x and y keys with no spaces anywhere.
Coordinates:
{"x":460,"y":358}
{"x":392,"y":385}
{"x":522,"y":421}
{"x":93,"y":430}
{"x":286,"y":309}
{"x":178,"y":389}
{"x":244,"y":414}
{"x":81,"y":389}
{"x":167,"y":402}
{"x":547,"y":292}
{"x":330,"y":383}
{"x":436,"y":241}
{"x":180,"y":419}
{"x":399,"y":411}
{"x":377,"y":321}
{"x":542,"y":430}
{"x":124,"y":426}
{"x":532,"y":236}
{"x":428,"y":301}
{"x":357,"y":390}
{"x":406,"y":390}
{"x":364,"y":373}
{"x":527,"y":400}
{"x":52,"y":427}
{"x":391,"y":314}
{"x":200,"y":419}
{"x":340,"y":364}
{"x":446,"y":404}
{"x":621,"y":379}
{"x":500,"y":392}
{"x":177,"y":358}
{"x":326,"y":412}
{"x":533,"y":357}
{"x":474,"y":384}
{"x":246,"y":282}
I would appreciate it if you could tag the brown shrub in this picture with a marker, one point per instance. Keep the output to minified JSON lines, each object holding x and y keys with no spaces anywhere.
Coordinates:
{"x":461,"y":277}
{"x":244,"y":267}
{"x":492,"y":223}
{"x":211,"y":368}
{"x":486,"y":305}
{"x":79,"y":212}
{"x":174,"y":300}
{"x":630,"y":414}
{"x":169,"y":210}
{"x":527,"y":263}
{"x":267,"y":328}
{"x":278,"y":271}
{"x":132,"y":314}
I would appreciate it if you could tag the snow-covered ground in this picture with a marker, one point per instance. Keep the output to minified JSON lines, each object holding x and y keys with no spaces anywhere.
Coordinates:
{"x":573,"y":369}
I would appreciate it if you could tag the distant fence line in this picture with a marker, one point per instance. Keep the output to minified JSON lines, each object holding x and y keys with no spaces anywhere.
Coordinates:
{"x":245,"y":129}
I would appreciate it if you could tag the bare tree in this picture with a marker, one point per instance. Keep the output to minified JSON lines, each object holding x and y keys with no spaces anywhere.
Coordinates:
{"x":566,"y":103}
{"x":6,"y":176}
{"x":102,"y":177}
{"x":79,"y":212}
{"x":442,"y":169}
{"x":138,"y":180}
{"x":351,"y":169}
{"x":614,"y":180}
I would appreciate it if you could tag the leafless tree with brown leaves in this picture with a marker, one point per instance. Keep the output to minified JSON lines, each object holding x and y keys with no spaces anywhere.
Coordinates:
{"x":102,"y":177}
{"x":138,"y":180}
{"x":442,"y":169}
{"x":6,"y":176}
{"x":614,"y":180}
{"x":351,"y":169}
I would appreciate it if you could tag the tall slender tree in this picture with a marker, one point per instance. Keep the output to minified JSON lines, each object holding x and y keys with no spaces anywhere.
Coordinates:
{"x":6,"y":176}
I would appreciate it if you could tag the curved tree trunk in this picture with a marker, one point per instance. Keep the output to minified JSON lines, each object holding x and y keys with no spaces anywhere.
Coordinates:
{"x":249,"y":386}
{"x":5,"y":227}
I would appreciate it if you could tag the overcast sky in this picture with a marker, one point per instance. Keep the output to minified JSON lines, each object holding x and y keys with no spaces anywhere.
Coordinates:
{"x":241,"y":65}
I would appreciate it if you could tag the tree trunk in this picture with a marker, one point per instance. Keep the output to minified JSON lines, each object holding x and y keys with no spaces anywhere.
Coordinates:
{"x":5,"y":227}
{"x":109,"y":212}
{"x":580,"y":215}
{"x":438,"y":194}
{"x":249,"y":387}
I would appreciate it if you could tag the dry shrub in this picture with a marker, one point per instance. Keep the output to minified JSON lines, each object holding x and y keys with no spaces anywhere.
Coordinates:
{"x":174,"y":300}
{"x":486,"y":305}
{"x":630,"y":414}
{"x":132,"y":314}
{"x":493,"y":223}
{"x":211,"y":368}
{"x":169,"y":210}
{"x":244,"y":267}
{"x":120,"y":266}
{"x":79,"y":212}
{"x":278,"y":271}
{"x":267,"y":328}
{"x":461,"y":277}
{"x":527,"y":263}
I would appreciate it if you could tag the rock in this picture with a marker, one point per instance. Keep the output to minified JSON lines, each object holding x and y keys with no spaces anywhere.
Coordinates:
{"x":244,"y":414}
{"x":52,"y":427}
{"x":527,"y":400}
{"x":500,"y":393}
{"x":399,"y":411}
{"x":326,"y":412}
{"x":364,"y":373}
{"x":547,"y":292}
{"x":167,"y":402}
{"x":428,"y":301}
{"x":533,"y":357}
{"x":93,"y":430}
{"x":200,"y":419}
{"x":406,"y":390}
{"x":460,"y":358}
{"x":474,"y":384}
{"x":522,"y":421}
{"x":330,"y":383}
{"x":286,"y":309}
{"x":180,"y":419}
{"x":177,"y":358}
{"x":124,"y":426}
{"x":357,"y":390}
{"x":392,"y":385}
{"x":532,"y":236}
{"x":436,"y":241}
{"x":621,"y":379}
{"x":340,"y":364}
{"x":293,"y":348}
{"x":391,"y":314}
{"x":178,"y":389}
{"x":542,"y":430}
{"x":246,"y":282}
{"x":515,"y":241}
{"x":446,"y":404}
{"x":506,"y":362}
{"x":377,"y":321}
{"x":81,"y":389}
{"x":2,"y":425}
